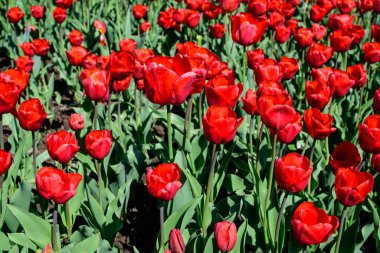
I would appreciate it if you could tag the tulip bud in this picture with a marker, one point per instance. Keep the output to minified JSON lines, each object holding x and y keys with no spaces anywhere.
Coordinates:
{"x":76,"y":121}
{"x":225,"y":235}
{"x":176,"y":243}
{"x":31,"y":114}
{"x":98,"y":143}
{"x":5,"y":161}
{"x":62,"y":146}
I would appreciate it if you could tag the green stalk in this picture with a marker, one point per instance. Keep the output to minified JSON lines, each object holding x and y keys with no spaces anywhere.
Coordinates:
{"x":95,"y":120}
{"x":100,"y":183}
{"x":259,"y":133}
{"x":1,"y":132}
{"x":61,"y":40}
{"x":67,"y":211}
{"x":118,"y":109}
{"x":109,"y":112}
{"x":341,"y":226}
{"x":55,"y":218}
{"x":278,"y":224}
{"x":311,"y":162}
{"x":200,"y":110}
{"x":34,"y":152}
{"x":162,"y":230}
{"x":118,"y":19}
{"x":305,"y":146}
{"x":245,"y":66}
{"x":186,"y":127}
{"x":170,"y":142}
{"x":271,"y":172}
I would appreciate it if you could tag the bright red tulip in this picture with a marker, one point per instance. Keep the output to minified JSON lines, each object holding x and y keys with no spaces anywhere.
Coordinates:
{"x":369,"y":134}
{"x":164,"y":181}
{"x":37,"y":12}
{"x":340,"y":83}
{"x":5,"y":161}
{"x":290,"y":131}
{"x":41,"y":47}
{"x":318,"y":55}
{"x":15,"y":77}
{"x":62,"y":146}
{"x":246,"y":29}
{"x":358,"y":74}
{"x":76,"y":121}
{"x":346,"y":6}
{"x":122,"y":65}
{"x":225,"y":235}
{"x":250,"y":103}
{"x":59,"y":15}
{"x":76,"y":55}
{"x":345,"y":155}
{"x":54,"y":184}
{"x":9,"y":95}
{"x":230,"y":5}
{"x":24,"y":63}
{"x":27,"y":48}
{"x":31,"y":114}
{"x":258,"y":7}
{"x":139,"y":11}
{"x":289,"y":67}
{"x":267,"y":70}
{"x":340,"y":41}
{"x":15,"y":14}
{"x":340,"y":21}
{"x":145,"y":26}
{"x":76,"y":38}
{"x":318,"y":94}
{"x":255,"y":57}
{"x":98,"y":143}
{"x":371,"y":52}
{"x":211,"y":10}
{"x":304,"y":37}
{"x":127,"y":45}
{"x":319,"y":125}
{"x":95,"y":83}
{"x":222,"y":90}
{"x":282,"y":34}
{"x":193,"y":18}
{"x":319,"y":31}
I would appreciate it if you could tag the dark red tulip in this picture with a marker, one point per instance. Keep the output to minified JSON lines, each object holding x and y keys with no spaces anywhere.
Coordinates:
{"x":340,"y":83}
{"x":345,"y":155}
{"x":216,"y":31}
{"x":340,"y":21}
{"x":318,"y":94}
{"x":139,"y":11}
{"x":304,"y":37}
{"x":225,"y":234}
{"x":369,"y":134}
{"x":311,"y":225}
{"x":41,"y":47}
{"x":176,"y":243}
{"x":246,"y":29}
{"x":98,"y":143}
{"x":59,"y":15}
{"x":250,"y":103}
{"x":292,"y":172}
{"x":76,"y":38}
{"x":62,"y":146}
{"x":371,"y":52}
{"x":54,"y":184}
{"x":365,"y":5}
{"x":352,"y":186}
{"x":358,"y":74}
{"x":37,"y":11}
{"x":258,"y":7}
{"x":166,"y":19}
{"x":254,"y":57}
{"x":164,"y":181}
{"x":289,"y":67}
{"x":5,"y":161}
{"x":211,"y":10}
{"x":222,"y":90}
{"x":122,"y":65}
{"x":346,"y":6}
{"x":31,"y":114}
{"x":375,"y":32}
{"x":220,"y":124}
{"x":375,"y":162}
{"x":15,"y":14}
{"x":318,"y":55}
{"x":95,"y":83}
{"x":65,"y":4}
{"x":319,"y":125}
{"x":340,"y":41}
{"x":376,"y":101}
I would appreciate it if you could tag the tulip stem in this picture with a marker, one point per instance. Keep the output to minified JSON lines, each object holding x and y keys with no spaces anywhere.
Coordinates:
{"x":68,"y":220}
{"x":271,"y":172}
{"x":259,"y":134}
{"x":279,"y":218}
{"x":360,"y":105}
{"x":306,"y":144}
{"x":200,"y":111}
{"x":95,"y":120}
{"x":34,"y":153}
{"x":109,"y":111}
{"x":362,"y":163}
{"x":162,"y":230}
{"x":186,"y":128}
{"x":1,"y":132}
{"x":170,"y":142}
{"x":100,"y":183}
{"x":118,"y":109}
{"x":250,"y":133}
{"x":55,"y":218}
{"x":244,"y":66}
{"x":311,"y":162}
{"x":341,"y":226}
{"x":61,"y":40}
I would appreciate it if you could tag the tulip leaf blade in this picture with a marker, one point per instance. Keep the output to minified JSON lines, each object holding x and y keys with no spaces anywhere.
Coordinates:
{"x":88,"y":245}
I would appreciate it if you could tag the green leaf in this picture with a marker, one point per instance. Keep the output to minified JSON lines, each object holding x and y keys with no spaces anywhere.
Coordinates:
{"x":89,"y":245}
{"x":22,"y":240}
{"x":240,"y":242}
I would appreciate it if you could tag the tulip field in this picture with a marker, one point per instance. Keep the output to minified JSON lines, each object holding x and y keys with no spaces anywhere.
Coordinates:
{"x":189,"y":126}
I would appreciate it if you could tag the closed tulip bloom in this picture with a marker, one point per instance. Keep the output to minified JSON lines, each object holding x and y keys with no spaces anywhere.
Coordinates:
{"x":145,"y":26}
{"x":95,"y":83}
{"x":369,"y":134}
{"x":127,"y":45}
{"x":31,"y":114}
{"x":217,"y":31}
{"x":122,"y":65}
{"x":211,"y":10}
{"x":375,"y":162}
{"x":5,"y":161}
{"x":292,"y":24}
{"x":139,"y":11}
{"x":59,"y":15}
{"x":340,"y":83}
{"x":76,"y":38}
{"x":345,"y":155}
{"x":37,"y":11}
{"x":15,"y":14}
{"x":357,"y":32}
{"x":258,"y":7}
{"x":65,"y":4}
{"x":319,"y":31}
{"x":76,"y":121}
{"x":346,"y":6}
{"x":164,"y":181}
{"x":290,"y":131}
{"x":289,"y":67}
{"x":27,"y":48}
{"x":179,"y":15}
{"x":169,"y":80}
{"x":371,"y":52}
{"x":24,"y":63}
{"x":225,"y":235}
{"x":76,"y":55}
{"x":358,"y":74}
{"x":318,"y":55}
{"x":142,"y":55}
{"x":122,"y":85}
{"x":246,"y":29}
{"x":254,"y":57}
{"x":62,"y":146}
{"x":282,"y":34}
{"x":375,"y":32}
{"x":352,"y":186}
{"x":376,"y":101}
{"x":176,"y":243}
{"x":166,"y":19}
{"x":322,"y":74}
{"x":340,"y":41}
{"x":192,"y":18}
{"x":267,"y":70}
{"x":292,"y":172}
{"x":15,"y":77}
{"x":340,"y":21}
{"x":250,"y":103}
{"x":98,"y":143}
{"x":304,"y":37}
{"x":220,"y":124}
{"x":318,"y":94}
{"x":41,"y":47}
{"x":222,"y":90}
{"x":270,"y":89}
{"x":276,"y":19}
{"x":57,"y":185}
{"x":319,"y":125}
{"x":276,"y":111}
{"x":9,"y":95}
{"x":365,"y":5}
{"x":318,"y":13}
{"x":311,"y":225}
{"x":230,"y":5}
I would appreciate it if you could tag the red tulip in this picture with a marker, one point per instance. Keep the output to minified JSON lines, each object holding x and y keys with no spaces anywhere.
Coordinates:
{"x":59,"y":15}
{"x":100,"y":26}
{"x":16,"y":78}
{"x":98,"y":143}
{"x":15,"y":14}
{"x":318,"y":94}
{"x":319,"y":125}
{"x":62,"y":146}
{"x":216,"y":31}
{"x":357,"y":32}
{"x":65,"y":4}
{"x":376,"y":101}
{"x":24,"y":63}
{"x":365,"y":5}
{"x":31,"y":114}
{"x":211,"y":10}
{"x":358,"y":74}
{"x":352,"y":186}
{"x":292,"y":24}
{"x":282,"y":34}
{"x":222,"y":90}
{"x":179,"y":16}
{"x":176,"y":243}
{"x":289,"y":67}
{"x":145,"y":26}
{"x":375,"y":32}
{"x":369,"y":134}
{"x":340,"y":41}
{"x":255,"y":57}
{"x":76,"y":55}
{"x":312,"y":225}
{"x":375,"y":162}
{"x":250,"y":103}
{"x":127,"y":45}
{"x":340,"y":21}
{"x":166,"y":19}
{"x":346,"y":6}
{"x":9,"y":95}
{"x":96,"y":83}
{"x":192,"y":18}
{"x":304,"y":37}
{"x":122,"y":65}
{"x":340,"y":83}
{"x":345,"y":155}
{"x":225,"y":235}
{"x":319,"y":31}
{"x":164,"y":181}
{"x":267,"y":70}
{"x":27,"y":48}
{"x":139,"y":11}
{"x":290,"y":131}
{"x":371,"y":52}
{"x":169,"y":80}
{"x":76,"y":122}
{"x":258,"y":7}
{"x":220,"y":124}
{"x":54,"y":184}
{"x":142,"y":55}
{"x":41,"y":47}
{"x":76,"y":38}
{"x":230,"y":5}
{"x":270,"y":89}
{"x":322,"y":74}
{"x":276,"y":19}
{"x":37,"y":12}
{"x":318,"y":55}
{"x":5,"y":161}
{"x":317,"y":13}
{"x":246,"y":29}
{"x":293,"y":172}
